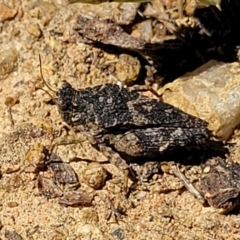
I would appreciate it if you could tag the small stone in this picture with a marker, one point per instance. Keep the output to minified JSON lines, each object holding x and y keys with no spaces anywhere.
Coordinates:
{"x":220,"y":185}
{"x":6,"y":12}
{"x":35,"y":158}
{"x":143,"y":30}
{"x":206,"y":169}
{"x":54,"y":44}
{"x":127,"y":68}
{"x":95,"y":175}
{"x":8,"y":62}
{"x":119,"y":233}
{"x":34,"y":30}
{"x":79,"y":198}
{"x":165,"y":168}
{"x":12,"y":204}
{"x":12,"y":235}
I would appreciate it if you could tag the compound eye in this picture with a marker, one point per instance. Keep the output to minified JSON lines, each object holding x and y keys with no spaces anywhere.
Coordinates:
{"x":61,"y":103}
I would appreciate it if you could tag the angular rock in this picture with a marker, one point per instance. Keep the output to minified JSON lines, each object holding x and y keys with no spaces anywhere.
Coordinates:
{"x":212,"y":93}
{"x":6,"y":12}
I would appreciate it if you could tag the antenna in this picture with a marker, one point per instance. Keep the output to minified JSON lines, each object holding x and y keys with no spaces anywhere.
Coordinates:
{"x":40,"y":61}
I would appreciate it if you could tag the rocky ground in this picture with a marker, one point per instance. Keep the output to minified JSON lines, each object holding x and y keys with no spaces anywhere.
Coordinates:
{"x":159,"y":209}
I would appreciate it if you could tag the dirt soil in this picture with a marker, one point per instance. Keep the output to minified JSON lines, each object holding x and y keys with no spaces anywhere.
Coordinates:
{"x":159,"y":209}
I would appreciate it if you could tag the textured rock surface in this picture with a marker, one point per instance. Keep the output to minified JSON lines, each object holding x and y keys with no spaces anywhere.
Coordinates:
{"x":6,"y":12}
{"x":211,"y":93}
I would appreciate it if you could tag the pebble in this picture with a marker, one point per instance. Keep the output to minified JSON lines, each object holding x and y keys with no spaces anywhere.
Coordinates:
{"x":127,"y":68}
{"x":8,"y":62}
{"x":143,"y":30}
{"x":33,"y":29}
{"x":6,"y":12}
{"x":95,"y":175}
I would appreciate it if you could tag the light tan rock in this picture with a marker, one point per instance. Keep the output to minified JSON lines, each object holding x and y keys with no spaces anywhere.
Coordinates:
{"x":34,"y":30}
{"x":6,"y":12}
{"x":212,"y":93}
{"x":127,"y":68}
{"x":143,"y":30}
{"x":95,"y":175}
{"x":8,"y":62}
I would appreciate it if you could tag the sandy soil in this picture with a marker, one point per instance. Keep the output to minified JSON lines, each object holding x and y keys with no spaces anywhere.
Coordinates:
{"x":159,"y":209}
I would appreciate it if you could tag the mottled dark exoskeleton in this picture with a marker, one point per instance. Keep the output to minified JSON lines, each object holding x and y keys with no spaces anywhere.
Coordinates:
{"x":128,"y":125}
